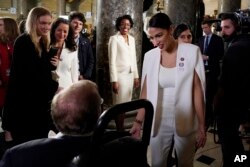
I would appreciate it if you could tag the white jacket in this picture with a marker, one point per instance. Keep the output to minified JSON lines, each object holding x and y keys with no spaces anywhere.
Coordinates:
{"x":68,"y":68}
{"x":122,"y":57}
{"x":189,"y":58}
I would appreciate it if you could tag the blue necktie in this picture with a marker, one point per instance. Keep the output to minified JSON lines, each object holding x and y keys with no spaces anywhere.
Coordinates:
{"x":206,"y":44}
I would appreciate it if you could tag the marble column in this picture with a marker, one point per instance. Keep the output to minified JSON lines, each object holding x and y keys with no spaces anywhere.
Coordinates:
{"x":181,"y":11}
{"x":23,"y":7}
{"x":185,"y":12}
{"x":74,"y":5}
{"x":32,"y":4}
{"x":93,"y":9}
{"x":22,"y":11}
{"x":107,"y":12}
{"x":228,"y":5}
{"x":61,"y":7}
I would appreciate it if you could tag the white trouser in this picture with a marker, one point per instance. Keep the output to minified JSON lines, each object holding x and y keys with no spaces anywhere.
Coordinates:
{"x":161,"y":143}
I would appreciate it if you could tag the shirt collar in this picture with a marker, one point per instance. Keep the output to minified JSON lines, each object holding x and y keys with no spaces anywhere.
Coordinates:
{"x":77,"y":40}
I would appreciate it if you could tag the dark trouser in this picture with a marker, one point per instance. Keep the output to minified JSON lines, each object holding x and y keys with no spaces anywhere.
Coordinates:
{"x":211,"y":88}
{"x":231,"y":143}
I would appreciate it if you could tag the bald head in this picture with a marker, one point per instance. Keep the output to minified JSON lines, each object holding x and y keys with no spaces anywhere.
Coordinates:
{"x":75,"y":110}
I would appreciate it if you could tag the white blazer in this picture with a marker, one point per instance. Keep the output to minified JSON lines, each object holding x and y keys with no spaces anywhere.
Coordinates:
{"x":68,"y":68}
{"x":122,"y":57}
{"x":189,"y":58}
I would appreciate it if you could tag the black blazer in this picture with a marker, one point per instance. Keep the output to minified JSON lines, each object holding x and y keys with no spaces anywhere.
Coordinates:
{"x":47,"y":152}
{"x":85,"y":56}
{"x":215,"y":52}
{"x":235,"y":79}
{"x":30,"y":90}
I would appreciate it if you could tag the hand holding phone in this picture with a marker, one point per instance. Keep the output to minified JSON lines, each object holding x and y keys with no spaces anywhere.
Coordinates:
{"x":53,"y":51}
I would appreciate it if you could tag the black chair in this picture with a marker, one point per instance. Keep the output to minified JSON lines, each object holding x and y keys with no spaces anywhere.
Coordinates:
{"x":119,"y":149}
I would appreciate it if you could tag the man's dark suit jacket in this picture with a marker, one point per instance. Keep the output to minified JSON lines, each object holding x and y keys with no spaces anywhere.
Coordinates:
{"x":86,"y":57}
{"x":235,"y":79}
{"x":215,"y":52}
{"x":47,"y":152}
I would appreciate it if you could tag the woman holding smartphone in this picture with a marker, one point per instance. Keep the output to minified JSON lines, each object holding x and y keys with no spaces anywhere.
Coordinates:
{"x":62,"y":42}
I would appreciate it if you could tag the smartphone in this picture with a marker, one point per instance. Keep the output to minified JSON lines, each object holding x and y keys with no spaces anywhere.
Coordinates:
{"x":53,"y":51}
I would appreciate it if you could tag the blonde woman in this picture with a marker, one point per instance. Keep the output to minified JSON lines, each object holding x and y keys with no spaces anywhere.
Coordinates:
{"x":26,"y":113}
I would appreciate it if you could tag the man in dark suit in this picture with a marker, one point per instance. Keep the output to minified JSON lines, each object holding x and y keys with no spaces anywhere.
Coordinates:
{"x":212,"y":48}
{"x":85,"y":53}
{"x":75,"y":111}
{"x":233,"y":96}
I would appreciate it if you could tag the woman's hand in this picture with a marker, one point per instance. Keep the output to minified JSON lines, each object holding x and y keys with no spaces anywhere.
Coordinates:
{"x":201,"y":138}
{"x":205,"y":57}
{"x":136,"y":82}
{"x":54,"y":61}
{"x":136,"y":130}
{"x":115,"y":87}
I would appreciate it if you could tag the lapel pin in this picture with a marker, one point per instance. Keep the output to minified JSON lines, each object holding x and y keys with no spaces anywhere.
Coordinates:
{"x":181,"y":64}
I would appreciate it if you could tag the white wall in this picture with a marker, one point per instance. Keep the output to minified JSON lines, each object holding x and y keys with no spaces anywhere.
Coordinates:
{"x":210,"y":6}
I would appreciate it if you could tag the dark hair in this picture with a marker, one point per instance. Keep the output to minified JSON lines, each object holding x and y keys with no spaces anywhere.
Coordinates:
{"x":160,"y":20}
{"x":21,"y":26}
{"x":124,"y":17}
{"x":233,"y":17}
{"x":78,"y":15}
{"x":179,"y":29}
{"x":69,"y":42}
{"x":11,"y":31}
{"x":208,"y":22}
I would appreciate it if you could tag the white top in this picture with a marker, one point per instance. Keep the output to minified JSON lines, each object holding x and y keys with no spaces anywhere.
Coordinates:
{"x":167,"y":77}
{"x":188,"y":61}
{"x":68,"y":68}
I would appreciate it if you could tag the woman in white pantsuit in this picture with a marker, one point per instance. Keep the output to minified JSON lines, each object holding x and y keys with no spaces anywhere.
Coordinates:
{"x":122,"y":64}
{"x":173,"y":79}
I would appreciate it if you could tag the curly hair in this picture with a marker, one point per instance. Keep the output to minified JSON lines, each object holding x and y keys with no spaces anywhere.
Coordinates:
{"x":78,"y":15}
{"x":124,"y":17}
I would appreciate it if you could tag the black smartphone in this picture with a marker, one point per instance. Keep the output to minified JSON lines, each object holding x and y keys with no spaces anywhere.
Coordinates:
{"x":53,"y":51}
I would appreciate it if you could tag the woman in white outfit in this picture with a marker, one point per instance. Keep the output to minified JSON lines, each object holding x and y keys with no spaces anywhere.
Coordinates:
{"x":122,"y":64}
{"x":173,"y":79}
{"x":62,"y":39}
